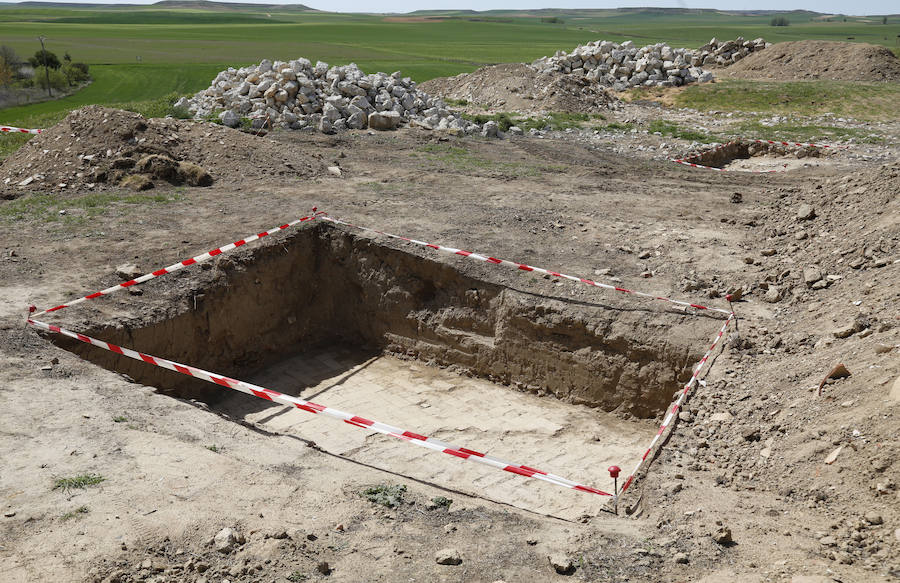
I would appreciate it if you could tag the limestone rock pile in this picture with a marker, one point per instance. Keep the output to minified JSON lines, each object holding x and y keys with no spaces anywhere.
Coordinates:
{"x":297,"y":94}
{"x":724,"y":53}
{"x":625,"y":65}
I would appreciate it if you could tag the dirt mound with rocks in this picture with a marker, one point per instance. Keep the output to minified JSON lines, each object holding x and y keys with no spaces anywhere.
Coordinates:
{"x":817,"y":59}
{"x":97,"y":147}
{"x":518,"y":87}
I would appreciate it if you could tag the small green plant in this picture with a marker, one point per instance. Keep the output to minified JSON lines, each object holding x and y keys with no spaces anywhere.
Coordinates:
{"x":297,"y":576}
{"x":120,"y":419}
{"x":456,"y":102}
{"x":75,"y":513}
{"x":441,"y":501}
{"x":390,"y":496}
{"x":619,"y":126}
{"x":504,"y":120}
{"x":213,"y":448}
{"x":668,"y":128}
{"x":81,"y":482}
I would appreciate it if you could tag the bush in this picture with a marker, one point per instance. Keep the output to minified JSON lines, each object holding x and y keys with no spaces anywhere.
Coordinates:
{"x":45,"y":59}
{"x":779,"y":21}
{"x":57,"y":78}
{"x":9,"y":55}
{"x":75,"y":72}
{"x":7,"y":72}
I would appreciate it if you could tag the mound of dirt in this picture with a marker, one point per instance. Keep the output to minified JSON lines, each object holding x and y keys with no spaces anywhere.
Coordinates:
{"x":818,"y":59}
{"x":98,"y":147}
{"x":518,"y":87}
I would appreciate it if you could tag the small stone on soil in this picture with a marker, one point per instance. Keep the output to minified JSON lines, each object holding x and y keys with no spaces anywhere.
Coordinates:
{"x":447,"y":557}
{"x":561,"y":563}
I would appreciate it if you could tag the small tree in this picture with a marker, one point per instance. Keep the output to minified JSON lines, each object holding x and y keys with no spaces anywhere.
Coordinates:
{"x":44,"y":58}
{"x":779,"y":21}
{"x":884,"y":20}
{"x":75,"y":73}
{"x":48,"y":77}
{"x":9,"y":55}
{"x":7,"y":72}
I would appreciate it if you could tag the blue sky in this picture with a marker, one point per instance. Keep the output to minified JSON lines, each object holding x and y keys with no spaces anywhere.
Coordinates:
{"x":827,"y":6}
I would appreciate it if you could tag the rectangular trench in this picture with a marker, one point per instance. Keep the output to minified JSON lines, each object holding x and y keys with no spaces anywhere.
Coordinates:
{"x":409,"y":339}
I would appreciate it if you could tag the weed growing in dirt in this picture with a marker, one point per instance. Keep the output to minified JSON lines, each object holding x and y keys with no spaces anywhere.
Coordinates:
{"x":213,"y":448}
{"x":625,"y":127}
{"x":297,"y":576}
{"x":469,"y":162}
{"x":805,"y":132}
{"x":442,"y":502}
{"x":159,"y":107}
{"x":845,"y":98}
{"x":456,"y":102}
{"x":120,"y":419}
{"x":45,"y":207}
{"x":75,"y":513}
{"x":81,"y":482}
{"x":390,"y":496}
{"x":672,"y":129}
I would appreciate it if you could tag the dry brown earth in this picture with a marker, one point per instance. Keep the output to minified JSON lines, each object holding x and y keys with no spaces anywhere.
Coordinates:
{"x":518,"y":87}
{"x":806,"y":484}
{"x":817,"y":59}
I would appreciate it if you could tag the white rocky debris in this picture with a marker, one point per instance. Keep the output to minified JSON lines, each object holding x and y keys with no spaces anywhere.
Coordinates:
{"x":297,"y":94}
{"x":621,"y":66}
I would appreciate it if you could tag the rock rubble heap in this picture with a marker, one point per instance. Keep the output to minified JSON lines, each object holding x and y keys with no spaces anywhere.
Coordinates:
{"x":297,"y":94}
{"x":724,"y":53}
{"x":625,"y":65}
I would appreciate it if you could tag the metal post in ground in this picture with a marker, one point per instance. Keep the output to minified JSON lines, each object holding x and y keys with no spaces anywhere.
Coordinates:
{"x":614,"y":474}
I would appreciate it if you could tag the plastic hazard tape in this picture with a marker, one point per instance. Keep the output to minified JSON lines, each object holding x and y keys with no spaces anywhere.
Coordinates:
{"x":15,"y":130}
{"x":678,"y":402}
{"x":524,"y":267}
{"x":310,"y":407}
{"x":180,"y":265}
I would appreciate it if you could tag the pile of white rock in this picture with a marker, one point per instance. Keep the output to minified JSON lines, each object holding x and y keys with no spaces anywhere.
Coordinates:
{"x":621,"y":66}
{"x":724,"y":53}
{"x":297,"y":94}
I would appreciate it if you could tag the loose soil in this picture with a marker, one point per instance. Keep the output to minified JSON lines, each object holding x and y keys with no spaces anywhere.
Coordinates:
{"x":818,"y":59}
{"x":518,"y":87}
{"x":98,"y":148}
{"x":806,"y":484}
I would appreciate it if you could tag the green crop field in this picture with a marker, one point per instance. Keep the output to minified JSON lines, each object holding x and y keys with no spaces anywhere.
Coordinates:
{"x":143,"y":53}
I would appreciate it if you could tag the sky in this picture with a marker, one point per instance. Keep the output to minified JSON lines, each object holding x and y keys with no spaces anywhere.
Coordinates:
{"x":860,"y":7}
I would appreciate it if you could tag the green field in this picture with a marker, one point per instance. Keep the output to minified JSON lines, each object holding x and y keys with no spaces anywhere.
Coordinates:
{"x":141,"y":53}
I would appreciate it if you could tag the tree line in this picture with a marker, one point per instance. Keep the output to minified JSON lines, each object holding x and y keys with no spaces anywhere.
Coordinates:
{"x":48,"y":70}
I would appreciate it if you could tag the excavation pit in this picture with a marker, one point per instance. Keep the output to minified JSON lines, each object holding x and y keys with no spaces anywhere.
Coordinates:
{"x":439,"y":346}
{"x":759,"y":156}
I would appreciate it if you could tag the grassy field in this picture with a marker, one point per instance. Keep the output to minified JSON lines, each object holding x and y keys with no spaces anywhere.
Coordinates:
{"x":142,"y":54}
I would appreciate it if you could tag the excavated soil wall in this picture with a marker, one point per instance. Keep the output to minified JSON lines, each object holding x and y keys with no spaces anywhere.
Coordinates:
{"x":323,"y":285}
{"x":743,"y":149}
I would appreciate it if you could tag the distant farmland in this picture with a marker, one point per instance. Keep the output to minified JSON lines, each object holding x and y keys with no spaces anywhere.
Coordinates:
{"x":144,"y":53}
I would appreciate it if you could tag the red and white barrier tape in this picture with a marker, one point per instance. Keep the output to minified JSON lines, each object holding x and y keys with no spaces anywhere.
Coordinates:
{"x":678,"y":402}
{"x":799,"y":145}
{"x":310,"y":407}
{"x":429,"y":443}
{"x":15,"y":130}
{"x":524,"y":267}
{"x":180,"y":265}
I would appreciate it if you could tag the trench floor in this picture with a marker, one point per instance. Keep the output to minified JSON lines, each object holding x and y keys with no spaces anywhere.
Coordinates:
{"x":573,"y":441}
